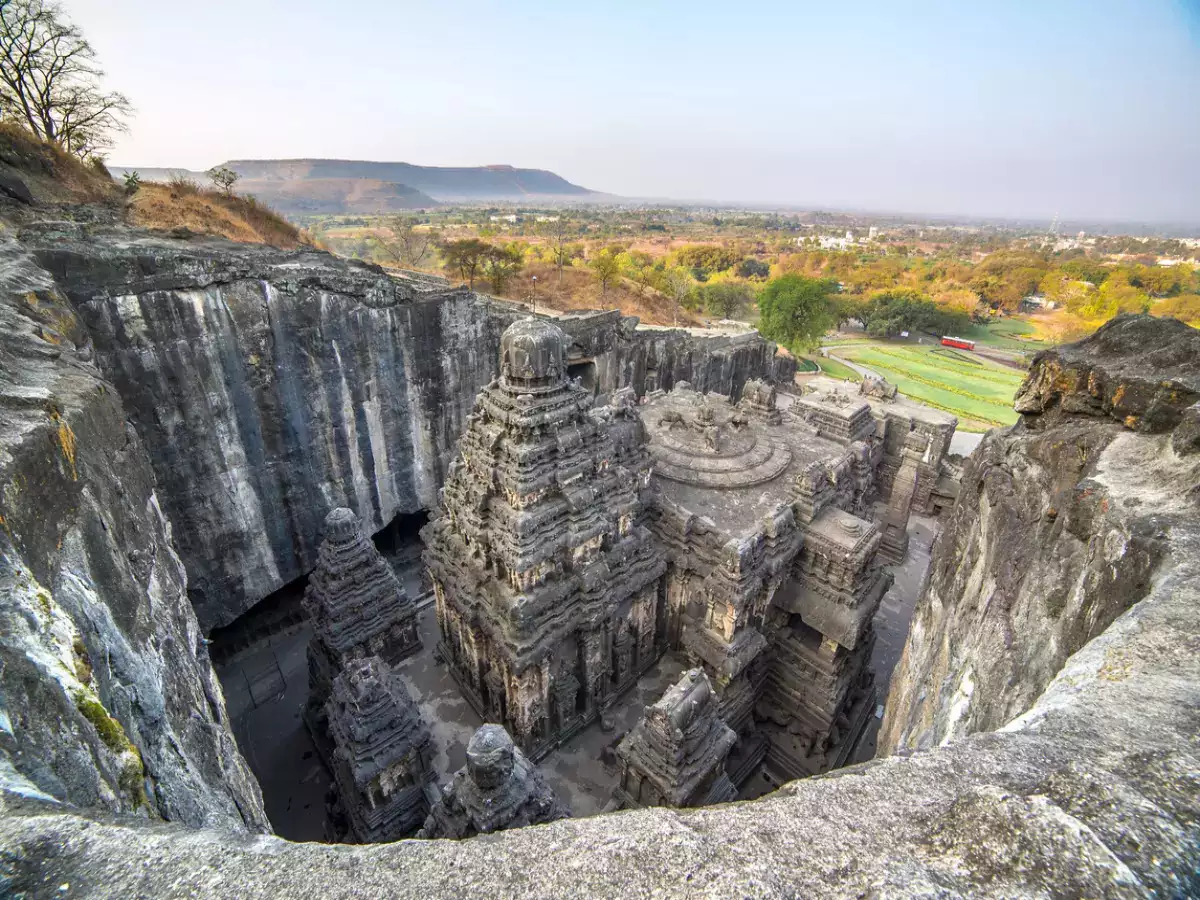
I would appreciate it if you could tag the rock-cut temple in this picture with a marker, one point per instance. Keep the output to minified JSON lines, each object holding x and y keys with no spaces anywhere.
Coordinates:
{"x":578,"y":539}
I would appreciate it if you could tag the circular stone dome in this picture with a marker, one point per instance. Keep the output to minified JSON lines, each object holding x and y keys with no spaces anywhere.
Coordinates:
{"x":490,"y":756}
{"x":533,"y":356}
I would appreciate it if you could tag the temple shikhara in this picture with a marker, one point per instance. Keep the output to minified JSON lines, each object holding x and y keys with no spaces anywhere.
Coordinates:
{"x":383,"y":757}
{"x":357,"y":607}
{"x":546,"y":577}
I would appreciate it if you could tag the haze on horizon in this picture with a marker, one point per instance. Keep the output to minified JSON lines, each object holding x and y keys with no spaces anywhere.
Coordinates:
{"x":1086,"y":110}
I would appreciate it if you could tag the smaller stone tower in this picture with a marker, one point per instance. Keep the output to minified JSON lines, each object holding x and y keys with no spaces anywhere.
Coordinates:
{"x":358,"y":609}
{"x":382,"y":760}
{"x":498,"y":788}
{"x":675,"y":755}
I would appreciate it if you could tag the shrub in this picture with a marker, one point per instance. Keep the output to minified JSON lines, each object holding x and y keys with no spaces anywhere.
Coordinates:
{"x":182,"y":184}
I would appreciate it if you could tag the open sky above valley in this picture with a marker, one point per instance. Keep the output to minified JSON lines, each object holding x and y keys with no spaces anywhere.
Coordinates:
{"x":1082,"y":108}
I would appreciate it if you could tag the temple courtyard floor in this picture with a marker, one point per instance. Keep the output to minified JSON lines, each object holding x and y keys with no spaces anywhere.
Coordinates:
{"x":266,"y":686}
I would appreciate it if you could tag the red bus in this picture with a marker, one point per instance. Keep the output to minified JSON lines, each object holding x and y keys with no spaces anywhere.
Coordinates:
{"x":960,"y":343}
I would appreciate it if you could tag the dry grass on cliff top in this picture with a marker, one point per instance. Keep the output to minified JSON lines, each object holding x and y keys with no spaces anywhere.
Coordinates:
{"x":180,"y":204}
{"x":51,"y":174}
{"x":55,"y":176}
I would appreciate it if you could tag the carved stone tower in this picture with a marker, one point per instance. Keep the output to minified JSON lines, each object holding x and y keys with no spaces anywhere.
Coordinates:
{"x":498,"y":788}
{"x":358,"y":609}
{"x":895,"y":520}
{"x":383,"y":752}
{"x":820,"y":691}
{"x":546,"y":580}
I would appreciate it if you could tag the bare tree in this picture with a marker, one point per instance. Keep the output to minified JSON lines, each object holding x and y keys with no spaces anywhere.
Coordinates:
{"x":559,"y":251}
{"x":408,"y":245}
{"x":50,"y":80}
{"x":678,"y":284}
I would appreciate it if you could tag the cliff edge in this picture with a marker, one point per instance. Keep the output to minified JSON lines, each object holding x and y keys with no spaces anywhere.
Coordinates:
{"x":1064,"y":521}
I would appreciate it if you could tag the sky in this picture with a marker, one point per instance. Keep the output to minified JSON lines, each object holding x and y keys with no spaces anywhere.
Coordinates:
{"x":1087,"y":110}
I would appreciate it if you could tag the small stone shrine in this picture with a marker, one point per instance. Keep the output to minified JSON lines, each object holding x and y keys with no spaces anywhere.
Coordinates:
{"x":357,"y":607}
{"x":675,"y":755}
{"x":382,"y":759}
{"x":498,"y":788}
{"x":545,"y":577}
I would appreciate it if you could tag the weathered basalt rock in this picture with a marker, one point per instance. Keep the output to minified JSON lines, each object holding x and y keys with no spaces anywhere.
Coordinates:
{"x":1140,"y":371}
{"x":498,"y":788}
{"x":1064,"y":522}
{"x":107,"y":696}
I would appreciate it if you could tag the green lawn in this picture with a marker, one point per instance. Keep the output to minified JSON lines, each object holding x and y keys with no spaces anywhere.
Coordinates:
{"x":835,"y":369}
{"x":980,"y":391}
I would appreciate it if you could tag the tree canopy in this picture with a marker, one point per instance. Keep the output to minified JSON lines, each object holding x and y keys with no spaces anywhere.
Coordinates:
{"x":606,"y":266}
{"x":887,"y":313}
{"x":796,"y":310}
{"x":465,"y":257}
{"x":726,"y":298}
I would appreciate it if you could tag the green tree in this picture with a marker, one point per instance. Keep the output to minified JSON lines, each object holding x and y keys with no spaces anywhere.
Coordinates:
{"x":501,"y":264}
{"x":1184,"y":307}
{"x":606,"y":266}
{"x":753,"y":268}
{"x":796,"y":310}
{"x":465,"y":258}
{"x":224,"y":178}
{"x":705,"y":259}
{"x":844,"y":308}
{"x":888,"y":313}
{"x":1117,"y":295}
{"x":726,"y":299}
{"x":639,"y":267}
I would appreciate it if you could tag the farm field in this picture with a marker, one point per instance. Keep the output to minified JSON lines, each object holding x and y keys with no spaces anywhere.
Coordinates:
{"x":978,"y":391}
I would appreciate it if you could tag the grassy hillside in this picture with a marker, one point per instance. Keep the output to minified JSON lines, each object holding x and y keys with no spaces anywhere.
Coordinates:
{"x":164,"y":207}
{"x":51,"y":175}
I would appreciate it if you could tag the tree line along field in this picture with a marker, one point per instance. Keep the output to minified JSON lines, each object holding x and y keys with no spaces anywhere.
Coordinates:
{"x":976,"y":390}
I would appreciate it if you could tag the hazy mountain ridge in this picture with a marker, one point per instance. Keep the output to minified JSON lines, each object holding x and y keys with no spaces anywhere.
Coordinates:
{"x":363,"y":186}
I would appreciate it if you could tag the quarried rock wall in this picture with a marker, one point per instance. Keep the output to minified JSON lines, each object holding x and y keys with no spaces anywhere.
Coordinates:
{"x":1063,"y":522}
{"x":107,"y":696}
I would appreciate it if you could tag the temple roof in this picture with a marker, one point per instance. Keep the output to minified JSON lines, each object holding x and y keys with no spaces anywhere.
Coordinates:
{"x":727,"y":462}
